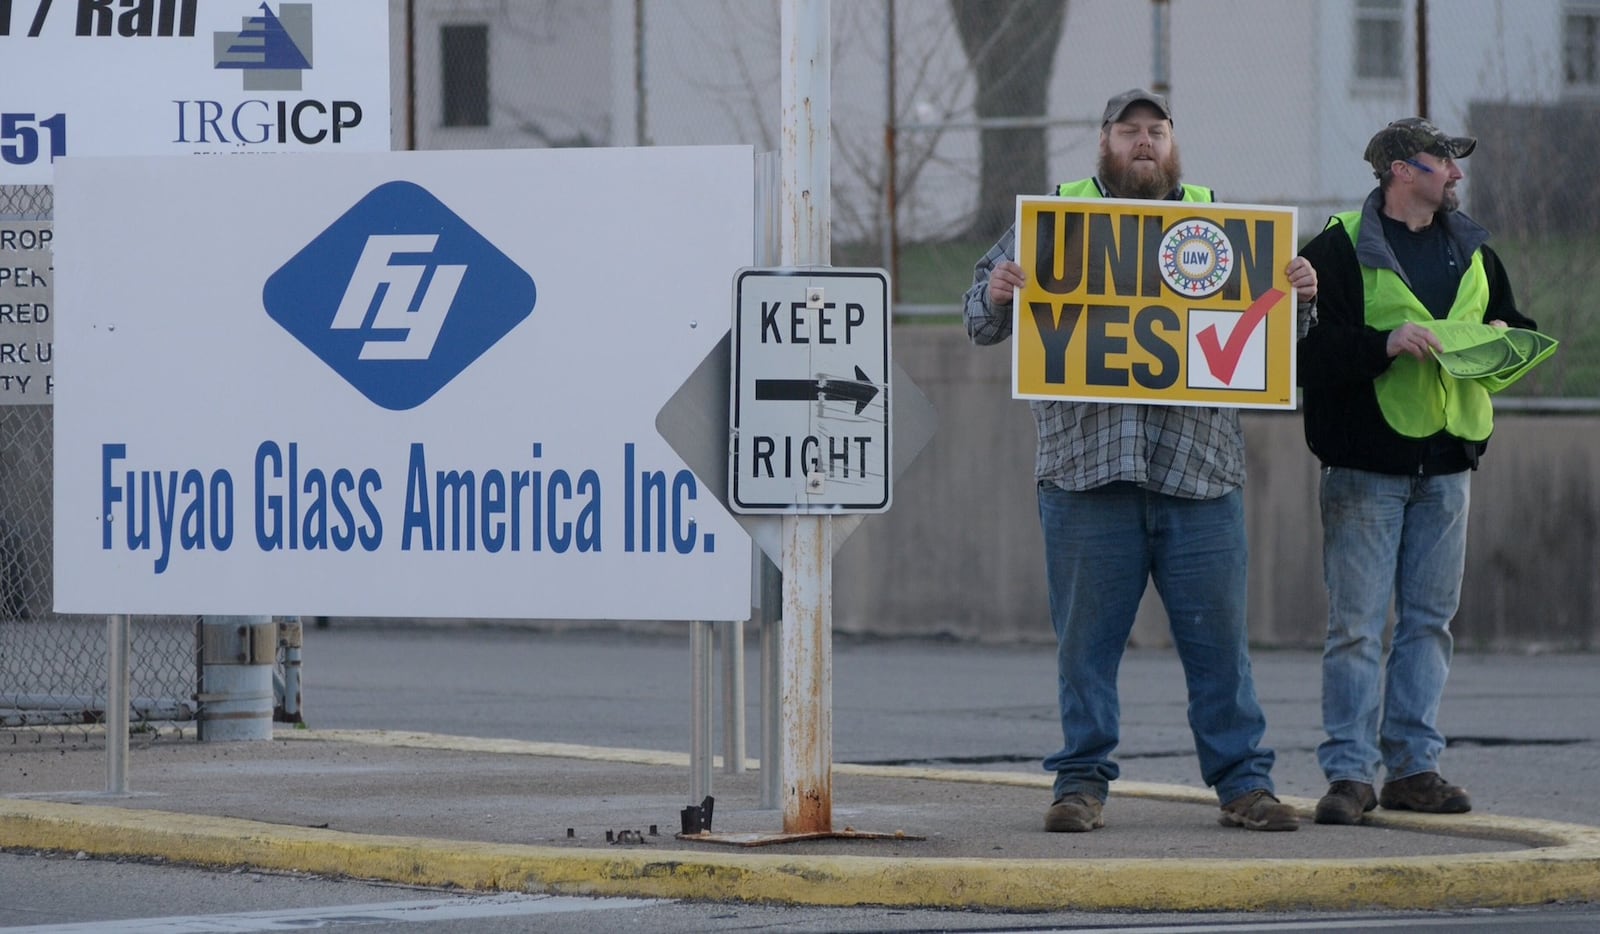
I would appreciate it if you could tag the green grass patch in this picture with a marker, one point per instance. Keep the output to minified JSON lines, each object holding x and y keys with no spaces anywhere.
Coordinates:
{"x":1552,"y":278}
{"x":927,"y":273}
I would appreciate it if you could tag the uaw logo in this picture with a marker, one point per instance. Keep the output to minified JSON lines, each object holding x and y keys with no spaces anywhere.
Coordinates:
{"x":399,"y":295}
{"x":1196,"y":258}
{"x":271,"y":49}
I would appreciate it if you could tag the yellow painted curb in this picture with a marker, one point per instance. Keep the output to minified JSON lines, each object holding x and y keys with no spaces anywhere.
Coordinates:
{"x":1564,"y":863}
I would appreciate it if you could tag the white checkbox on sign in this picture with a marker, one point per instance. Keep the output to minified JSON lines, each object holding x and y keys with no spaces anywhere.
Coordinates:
{"x":1227,"y":350}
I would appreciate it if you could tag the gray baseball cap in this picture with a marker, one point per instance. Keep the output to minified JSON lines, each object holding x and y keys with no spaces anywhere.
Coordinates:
{"x":1116,"y":106}
{"x":1405,"y":138}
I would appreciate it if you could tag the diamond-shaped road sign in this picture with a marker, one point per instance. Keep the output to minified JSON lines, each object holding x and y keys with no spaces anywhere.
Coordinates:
{"x":695,"y":423}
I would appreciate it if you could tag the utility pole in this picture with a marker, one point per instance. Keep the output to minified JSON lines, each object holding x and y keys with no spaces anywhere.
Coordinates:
{"x":1422,"y":59}
{"x":807,"y":707}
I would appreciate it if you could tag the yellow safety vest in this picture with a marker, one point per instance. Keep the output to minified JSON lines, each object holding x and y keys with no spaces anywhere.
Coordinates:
{"x":1417,"y":397}
{"x":1086,"y":188}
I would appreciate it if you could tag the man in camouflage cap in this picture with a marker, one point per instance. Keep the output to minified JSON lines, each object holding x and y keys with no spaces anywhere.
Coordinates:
{"x":1398,"y":439}
{"x":1405,"y":138}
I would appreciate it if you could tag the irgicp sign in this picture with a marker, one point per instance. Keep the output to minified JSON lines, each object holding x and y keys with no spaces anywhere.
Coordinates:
{"x":809,"y":402}
{"x":158,"y":77}
{"x":1166,"y":302}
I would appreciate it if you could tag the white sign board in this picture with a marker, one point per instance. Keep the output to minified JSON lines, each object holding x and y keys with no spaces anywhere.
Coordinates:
{"x":809,"y":405}
{"x":407,"y":384}
{"x":169,"y":77}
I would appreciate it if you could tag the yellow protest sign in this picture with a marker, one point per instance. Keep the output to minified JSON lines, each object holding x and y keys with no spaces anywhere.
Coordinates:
{"x":1161,"y":302}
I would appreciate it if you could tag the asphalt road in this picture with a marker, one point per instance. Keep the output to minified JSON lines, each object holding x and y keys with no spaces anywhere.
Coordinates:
{"x":1525,"y":738}
{"x":64,"y":896}
{"x":1524,"y":731}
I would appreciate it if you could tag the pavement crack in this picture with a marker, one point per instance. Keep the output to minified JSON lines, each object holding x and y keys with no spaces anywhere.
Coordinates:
{"x":1498,"y":741}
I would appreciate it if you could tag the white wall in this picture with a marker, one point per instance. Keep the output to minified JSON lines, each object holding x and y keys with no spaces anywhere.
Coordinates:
{"x":1499,"y":50}
{"x":1242,"y":90}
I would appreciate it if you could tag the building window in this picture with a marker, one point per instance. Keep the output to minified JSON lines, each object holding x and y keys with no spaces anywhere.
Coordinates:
{"x":1380,"y":31}
{"x":464,"y":50}
{"x":1581,"y":48}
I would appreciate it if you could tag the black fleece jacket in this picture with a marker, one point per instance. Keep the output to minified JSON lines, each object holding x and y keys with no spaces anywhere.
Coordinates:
{"x":1340,"y":357}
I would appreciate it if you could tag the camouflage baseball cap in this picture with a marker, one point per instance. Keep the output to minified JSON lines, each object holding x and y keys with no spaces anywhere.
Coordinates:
{"x":1117,"y":105}
{"x":1405,"y":138}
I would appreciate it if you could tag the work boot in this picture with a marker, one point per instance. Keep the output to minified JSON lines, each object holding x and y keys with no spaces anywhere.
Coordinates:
{"x":1074,"y":813}
{"x":1346,"y":803}
{"x":1427,"y":792}
{"x":1258,"y":810}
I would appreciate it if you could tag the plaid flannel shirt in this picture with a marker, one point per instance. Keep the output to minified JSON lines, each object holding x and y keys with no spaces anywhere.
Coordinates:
{"x":1189,"y":451}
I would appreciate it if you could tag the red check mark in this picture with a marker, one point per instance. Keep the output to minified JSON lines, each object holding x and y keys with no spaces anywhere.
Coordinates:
{"x":1223,"y":359}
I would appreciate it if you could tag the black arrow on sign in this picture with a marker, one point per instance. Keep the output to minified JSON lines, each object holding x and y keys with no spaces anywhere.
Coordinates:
{"x":859,"y":390}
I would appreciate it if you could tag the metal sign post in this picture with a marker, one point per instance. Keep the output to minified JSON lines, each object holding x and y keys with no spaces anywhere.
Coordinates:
{"x":802,"y":386}
{"x":117,"y":665}
{"x":807,"y":706}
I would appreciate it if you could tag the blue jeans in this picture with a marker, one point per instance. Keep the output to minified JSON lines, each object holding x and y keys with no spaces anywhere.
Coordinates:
{"x":1386,"y":538}
{"x":1101,"y":547}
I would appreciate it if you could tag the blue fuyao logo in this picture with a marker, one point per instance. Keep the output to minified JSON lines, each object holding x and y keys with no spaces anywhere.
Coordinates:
{"x":399,"y":296}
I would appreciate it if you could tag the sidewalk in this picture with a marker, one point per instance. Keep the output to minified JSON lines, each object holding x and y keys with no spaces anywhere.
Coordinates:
{"x":510,"y":815}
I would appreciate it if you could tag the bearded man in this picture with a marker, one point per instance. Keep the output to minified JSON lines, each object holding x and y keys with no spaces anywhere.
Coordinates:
{"x":1132,"y":493}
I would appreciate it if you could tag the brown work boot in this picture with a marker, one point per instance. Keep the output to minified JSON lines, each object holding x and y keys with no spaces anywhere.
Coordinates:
{"x":1427,"y":792}
{"x":1074,"y":813}
{"x":1346,"y":803}
{"x":1258,"y":810}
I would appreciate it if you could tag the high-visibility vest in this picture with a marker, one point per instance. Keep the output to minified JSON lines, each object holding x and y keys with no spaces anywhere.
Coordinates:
{"x":1417,"y":397}
{"x":1086,"y":188}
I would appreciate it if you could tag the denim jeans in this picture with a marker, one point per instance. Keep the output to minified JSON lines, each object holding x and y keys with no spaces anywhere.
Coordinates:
{"x":1101,"y":548}
{"x":1388,"y":538}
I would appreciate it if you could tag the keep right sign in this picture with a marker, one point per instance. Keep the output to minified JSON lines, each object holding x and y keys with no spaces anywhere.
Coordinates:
{"x":809,"y":404}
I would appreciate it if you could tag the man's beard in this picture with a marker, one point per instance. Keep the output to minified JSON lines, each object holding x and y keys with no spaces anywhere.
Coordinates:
{"x":1125,"y":180}
{"x":1449,"y":201}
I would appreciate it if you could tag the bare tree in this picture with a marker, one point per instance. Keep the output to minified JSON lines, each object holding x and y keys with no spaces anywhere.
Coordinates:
{"x":1011,"y":47}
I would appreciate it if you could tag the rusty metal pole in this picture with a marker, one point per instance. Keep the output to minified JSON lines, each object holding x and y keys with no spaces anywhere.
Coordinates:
{"x":807,"y":704}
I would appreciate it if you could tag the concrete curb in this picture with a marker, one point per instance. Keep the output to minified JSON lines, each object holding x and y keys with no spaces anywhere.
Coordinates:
{"x":1562,"y":864}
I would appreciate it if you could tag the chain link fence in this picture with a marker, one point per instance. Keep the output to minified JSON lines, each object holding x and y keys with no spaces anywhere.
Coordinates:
{"x":53,"y":667}
{"x":942,"y":110}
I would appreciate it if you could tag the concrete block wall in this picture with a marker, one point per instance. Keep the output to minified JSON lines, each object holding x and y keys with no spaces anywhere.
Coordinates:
{"x":960,"y":553}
